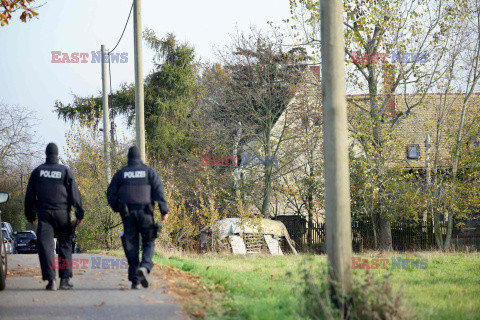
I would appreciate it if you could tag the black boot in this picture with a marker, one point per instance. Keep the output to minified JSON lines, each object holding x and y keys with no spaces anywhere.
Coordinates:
{"x":142,"y":276}
{"x":135,"y":286}
{"x":51,"y":285}
{"x":66,"y":284}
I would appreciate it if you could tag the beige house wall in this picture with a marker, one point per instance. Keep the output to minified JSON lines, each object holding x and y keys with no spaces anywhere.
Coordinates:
{"x":436,"y":114}
{"x":300,"y":126}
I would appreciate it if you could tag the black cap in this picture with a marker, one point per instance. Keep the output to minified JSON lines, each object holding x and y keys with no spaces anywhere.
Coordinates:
{"x":51,"y":149}
{"x":134,"y":153}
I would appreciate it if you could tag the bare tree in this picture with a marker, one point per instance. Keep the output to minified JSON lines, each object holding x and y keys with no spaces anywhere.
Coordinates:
{"x":303,"y":187}
{"x":18,"y":140}
{"x":18,"y":154}
{"x":262,"y":83}
{"x":457,"y":108}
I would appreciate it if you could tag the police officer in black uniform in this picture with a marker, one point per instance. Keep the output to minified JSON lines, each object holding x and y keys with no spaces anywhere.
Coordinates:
{"x":51,"y":193}
{"x":133,"y":192}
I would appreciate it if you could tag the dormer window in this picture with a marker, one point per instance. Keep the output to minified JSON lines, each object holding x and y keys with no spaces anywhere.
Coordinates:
{"x":413,"y":152}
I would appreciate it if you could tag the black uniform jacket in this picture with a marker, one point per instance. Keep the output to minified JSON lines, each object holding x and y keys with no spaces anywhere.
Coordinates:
{"x":52,"y":186}
{"x":136,"y":184}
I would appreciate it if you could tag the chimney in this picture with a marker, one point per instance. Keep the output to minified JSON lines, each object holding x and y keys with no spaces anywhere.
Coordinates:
{"x":316,"y":71}
{"x":388,"y":81}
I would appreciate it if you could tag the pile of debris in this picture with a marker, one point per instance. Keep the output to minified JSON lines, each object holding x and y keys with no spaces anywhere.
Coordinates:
{"x":230,"y":235}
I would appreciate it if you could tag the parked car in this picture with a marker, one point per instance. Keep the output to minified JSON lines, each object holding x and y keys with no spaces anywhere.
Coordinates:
{"x":8,"y":226}
{"x":8,"y":241}
{"x":11,"y":234}
{"x":3,"y":251}
{"x":26,"y":241}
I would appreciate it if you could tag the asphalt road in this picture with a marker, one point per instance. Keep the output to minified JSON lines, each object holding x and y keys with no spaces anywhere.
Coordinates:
{"x":101,"y":291}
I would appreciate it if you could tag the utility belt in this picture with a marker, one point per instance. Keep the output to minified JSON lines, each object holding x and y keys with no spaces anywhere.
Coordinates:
{"x":148,"y":208}
{"x":136,"y":207}
{"x":48,"y":207}
{"x":125,"y":209}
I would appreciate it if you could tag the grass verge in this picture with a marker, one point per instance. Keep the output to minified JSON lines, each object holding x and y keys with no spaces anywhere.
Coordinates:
{"x":266,"y":287}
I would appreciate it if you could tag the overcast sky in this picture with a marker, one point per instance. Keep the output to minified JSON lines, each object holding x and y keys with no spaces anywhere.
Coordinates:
{"x":29,"y":78}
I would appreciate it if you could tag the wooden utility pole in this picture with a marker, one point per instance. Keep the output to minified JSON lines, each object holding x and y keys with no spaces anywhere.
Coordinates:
{"x":106,"y":120}
{"x":337,"y":185}
{"x":139,"y":98}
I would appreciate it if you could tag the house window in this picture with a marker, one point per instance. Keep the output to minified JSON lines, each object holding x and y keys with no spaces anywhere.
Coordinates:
{"x":413,"y":152}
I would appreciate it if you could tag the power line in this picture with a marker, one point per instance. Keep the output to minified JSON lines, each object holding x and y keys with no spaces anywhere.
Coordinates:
{"x":124,"y":28}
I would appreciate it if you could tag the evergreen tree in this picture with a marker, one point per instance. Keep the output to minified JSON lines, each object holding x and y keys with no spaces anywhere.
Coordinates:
{"x":170,"y":95}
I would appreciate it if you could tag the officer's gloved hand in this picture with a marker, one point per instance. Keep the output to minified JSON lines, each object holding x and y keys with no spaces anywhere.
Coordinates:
{"x":123,"y":209}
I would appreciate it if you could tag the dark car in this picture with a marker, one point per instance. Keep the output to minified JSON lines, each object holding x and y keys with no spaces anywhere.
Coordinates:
{"x":26,"y":242}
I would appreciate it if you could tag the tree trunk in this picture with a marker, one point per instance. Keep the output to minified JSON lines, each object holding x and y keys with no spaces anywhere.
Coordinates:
{"x":438,"y":232}
{"x":238,"y":170}
{"x":383,"y":226}
{"x":456,"y":158}
{"x":374,"y":227}
{"x":310,"y":208}
{"x":448,"y":238}
{"x":268,"y":172}
{"x":384,"y":232}
{"x":266,"y":195}
{"x":436,"y":198}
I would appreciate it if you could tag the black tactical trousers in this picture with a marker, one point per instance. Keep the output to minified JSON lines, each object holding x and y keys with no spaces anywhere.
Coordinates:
{"x":138,"y":222}
{"x":49,"y":223}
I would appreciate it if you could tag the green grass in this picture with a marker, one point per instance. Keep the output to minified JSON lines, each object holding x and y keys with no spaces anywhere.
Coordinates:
{"x":254,"y":287}
{"x":448,"y":289}
{"x":265,"y":287}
